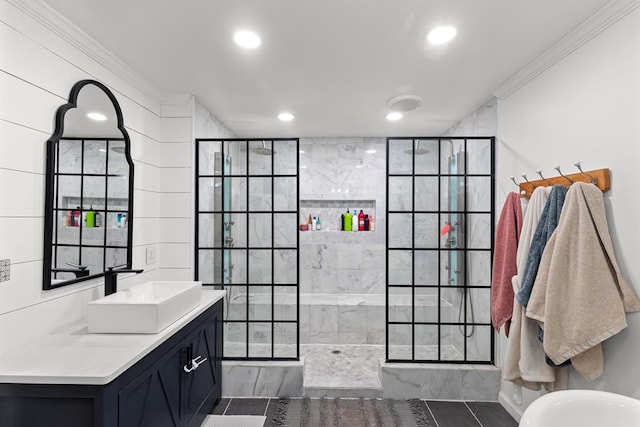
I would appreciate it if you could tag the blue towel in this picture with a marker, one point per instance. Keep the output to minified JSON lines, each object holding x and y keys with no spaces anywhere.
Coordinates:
{"x":547,"y":224}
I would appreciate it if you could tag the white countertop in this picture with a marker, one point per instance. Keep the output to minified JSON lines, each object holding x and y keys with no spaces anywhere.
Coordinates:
{"x":74,"y":356}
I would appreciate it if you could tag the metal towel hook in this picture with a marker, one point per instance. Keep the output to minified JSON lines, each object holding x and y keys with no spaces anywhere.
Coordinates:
{"x":539,"y":172}
{"x":524,"y":175}
{"x":562,"y":175}
{"x":579,"y":166}
{"x":513,"y":178}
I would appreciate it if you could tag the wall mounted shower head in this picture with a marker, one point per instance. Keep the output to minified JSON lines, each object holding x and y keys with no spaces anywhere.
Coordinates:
{"x":263,"y":151}
{"x":418,"y":151}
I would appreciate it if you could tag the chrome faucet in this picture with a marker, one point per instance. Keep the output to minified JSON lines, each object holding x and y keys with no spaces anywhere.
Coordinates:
{"x":111,"y":278}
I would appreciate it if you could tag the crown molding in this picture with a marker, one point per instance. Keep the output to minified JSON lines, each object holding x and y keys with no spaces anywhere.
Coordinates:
{"x":604,"y":18}
{"x":70,"y":33}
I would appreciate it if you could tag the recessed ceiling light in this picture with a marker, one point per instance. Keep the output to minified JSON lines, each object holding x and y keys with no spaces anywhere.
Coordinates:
{"x":394,"y":116}
{"x":97,"y":116}
{"x":441,"y":35}
{"x":286,"y":117}
{"x":370,"y":151}
{"x":247,"y":39}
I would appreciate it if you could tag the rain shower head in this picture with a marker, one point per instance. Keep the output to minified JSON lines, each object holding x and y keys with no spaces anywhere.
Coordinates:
{"x":418,"y":151}
{"x":263,"y":151}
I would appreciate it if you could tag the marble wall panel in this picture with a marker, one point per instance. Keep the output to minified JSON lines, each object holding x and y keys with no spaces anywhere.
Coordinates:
{"x":254,"y":379}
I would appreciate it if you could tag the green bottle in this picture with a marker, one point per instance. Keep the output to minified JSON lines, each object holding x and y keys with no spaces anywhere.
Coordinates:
{"x":347,"y":221}
{"x":90,"y":218}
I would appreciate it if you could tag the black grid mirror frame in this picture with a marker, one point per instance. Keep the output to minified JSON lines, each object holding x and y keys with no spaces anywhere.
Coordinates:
{"x":52,"y":189}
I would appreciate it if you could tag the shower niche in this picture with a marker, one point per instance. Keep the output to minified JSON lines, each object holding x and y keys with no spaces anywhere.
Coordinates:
{"x":331,"y":210}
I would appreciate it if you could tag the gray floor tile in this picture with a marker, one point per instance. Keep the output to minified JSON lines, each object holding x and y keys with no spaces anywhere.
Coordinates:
{"x":248,"y":406}
{"x":452,"y":414}
{"x":220,"y":407}
{"x":492,"y":414}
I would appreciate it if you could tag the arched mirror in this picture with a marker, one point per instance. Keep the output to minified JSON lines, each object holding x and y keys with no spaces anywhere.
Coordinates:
{"x":88,"y":189}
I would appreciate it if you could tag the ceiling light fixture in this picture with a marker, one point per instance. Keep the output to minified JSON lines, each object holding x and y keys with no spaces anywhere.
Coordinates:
{"x":247,"y":39}
{"x":97,"y":116}
{"x":394,"y":116}
{"x":441,"y":35}
{"x":286,"y":117}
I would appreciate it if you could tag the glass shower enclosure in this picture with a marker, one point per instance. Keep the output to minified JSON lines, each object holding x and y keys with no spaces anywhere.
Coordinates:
{"x":246,"y":235}
{"x":440,"y":227}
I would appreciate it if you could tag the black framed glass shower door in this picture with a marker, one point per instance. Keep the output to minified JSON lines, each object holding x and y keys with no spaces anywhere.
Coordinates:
{"x":440,"y":227}
{"x":247,"y":242}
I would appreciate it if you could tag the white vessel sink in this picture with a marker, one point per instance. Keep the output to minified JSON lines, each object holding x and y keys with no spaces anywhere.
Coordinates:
{"x":582,"y":408}
{"x":147,"y":308}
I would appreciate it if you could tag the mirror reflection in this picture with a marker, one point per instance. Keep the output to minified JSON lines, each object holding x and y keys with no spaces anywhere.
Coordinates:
{"x":89,"y":189}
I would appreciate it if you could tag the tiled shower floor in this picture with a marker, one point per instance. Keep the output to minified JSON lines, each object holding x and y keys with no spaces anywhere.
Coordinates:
{"x":343,"y":370}
{"x":354,"y":351}
{"x":341,"y":366}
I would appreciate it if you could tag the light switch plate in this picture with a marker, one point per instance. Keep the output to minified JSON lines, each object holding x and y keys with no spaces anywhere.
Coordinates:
{"x":5,"y":270}
{"x":151,"y":255}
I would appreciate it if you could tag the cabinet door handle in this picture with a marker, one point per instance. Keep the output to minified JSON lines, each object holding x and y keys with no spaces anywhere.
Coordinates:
{"x":194,"y":363}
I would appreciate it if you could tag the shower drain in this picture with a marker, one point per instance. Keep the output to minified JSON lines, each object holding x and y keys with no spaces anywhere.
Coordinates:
{"x":335,"y":352}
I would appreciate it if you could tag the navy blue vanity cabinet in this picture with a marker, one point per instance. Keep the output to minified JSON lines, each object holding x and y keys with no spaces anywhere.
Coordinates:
{"x":174,"y":385}
{"x":153,"y":398}
{"x":202,"y":385}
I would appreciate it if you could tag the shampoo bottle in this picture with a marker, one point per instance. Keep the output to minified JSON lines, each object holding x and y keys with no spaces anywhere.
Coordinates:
{"x":342,"y":222}
{"x":314,"y":223}
{"x":372,"y":226}
{"x":354,"y":221}
{"x":98,"y":219}
{"x":347,"y":221}
{"x":90,"y":218}
{"x":366,"y":223}
{"x":361,"y":221}
{"x":76,"y":217}
{"x":318,"y":224}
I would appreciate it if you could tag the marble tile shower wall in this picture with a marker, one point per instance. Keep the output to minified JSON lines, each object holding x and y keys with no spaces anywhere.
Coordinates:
{"x":342,"y":274}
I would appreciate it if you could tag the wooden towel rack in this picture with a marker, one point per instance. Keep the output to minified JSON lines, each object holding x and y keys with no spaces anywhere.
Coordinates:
{"x":600,"y":176}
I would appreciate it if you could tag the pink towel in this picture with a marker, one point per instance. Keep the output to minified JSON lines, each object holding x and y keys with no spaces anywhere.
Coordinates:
{"x":504,"y":262}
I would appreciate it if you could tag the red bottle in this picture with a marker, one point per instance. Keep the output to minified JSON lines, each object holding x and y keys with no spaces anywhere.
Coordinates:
{"x":76,"y":217}
{"x":361,"y":221}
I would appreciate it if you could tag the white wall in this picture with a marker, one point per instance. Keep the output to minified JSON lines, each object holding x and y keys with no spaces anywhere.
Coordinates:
{"x":38,"y":66}
{"x":586,"y":107}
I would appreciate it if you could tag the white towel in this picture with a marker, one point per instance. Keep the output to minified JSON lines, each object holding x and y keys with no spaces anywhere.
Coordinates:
{"x":525,"y":363}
